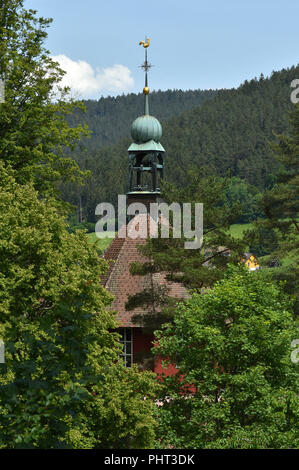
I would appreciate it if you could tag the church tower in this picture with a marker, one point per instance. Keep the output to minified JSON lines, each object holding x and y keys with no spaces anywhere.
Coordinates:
{"x":146,"y":165}
{"x":146,"y":154}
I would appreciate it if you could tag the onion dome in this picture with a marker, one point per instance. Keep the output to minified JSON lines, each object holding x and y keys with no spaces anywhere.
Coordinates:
{"x":146,"y":128}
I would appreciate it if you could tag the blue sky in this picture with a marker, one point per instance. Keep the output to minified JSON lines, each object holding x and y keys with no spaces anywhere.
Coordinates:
{"x":194,"y":43}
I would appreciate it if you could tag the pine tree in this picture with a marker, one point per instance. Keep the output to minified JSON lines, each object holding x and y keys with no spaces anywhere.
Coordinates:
{"x":195,"y":269}
{"x":280,"y":205}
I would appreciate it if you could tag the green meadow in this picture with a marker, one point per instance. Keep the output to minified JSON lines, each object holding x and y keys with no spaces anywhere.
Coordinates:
{"x":237,"y":230}
{"x":101,"y":243}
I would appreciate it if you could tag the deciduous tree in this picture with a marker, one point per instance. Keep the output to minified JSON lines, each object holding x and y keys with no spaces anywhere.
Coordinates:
{"x":34,"y":133}
{"x":62,"y":384}
{"x":233,"y":345}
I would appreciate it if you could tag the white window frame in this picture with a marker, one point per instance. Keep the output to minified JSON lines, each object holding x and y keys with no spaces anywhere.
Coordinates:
{"x":126,"y":341}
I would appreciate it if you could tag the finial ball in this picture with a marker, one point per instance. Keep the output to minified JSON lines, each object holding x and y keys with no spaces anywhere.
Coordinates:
{"x":146,"y":90}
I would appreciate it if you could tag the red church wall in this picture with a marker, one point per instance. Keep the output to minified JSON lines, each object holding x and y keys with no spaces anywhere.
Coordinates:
{"x":142,"y":355}
{"x":162,"y":371}
{"x":143,"y":343}
{"x":171,"y":369}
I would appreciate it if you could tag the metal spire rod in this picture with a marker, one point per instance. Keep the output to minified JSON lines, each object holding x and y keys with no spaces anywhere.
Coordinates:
{"x":146,"y":66}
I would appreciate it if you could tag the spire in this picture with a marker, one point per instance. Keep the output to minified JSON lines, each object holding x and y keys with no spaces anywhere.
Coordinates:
{"x":146,"y":66}
{"x":146,"y":153}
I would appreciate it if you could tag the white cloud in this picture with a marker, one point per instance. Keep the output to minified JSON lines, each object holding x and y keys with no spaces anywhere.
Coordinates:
{"x":85,"y":82}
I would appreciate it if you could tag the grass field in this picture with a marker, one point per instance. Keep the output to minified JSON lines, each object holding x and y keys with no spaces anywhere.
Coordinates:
{"x":237,"y":230}
{"x":101,"y":243}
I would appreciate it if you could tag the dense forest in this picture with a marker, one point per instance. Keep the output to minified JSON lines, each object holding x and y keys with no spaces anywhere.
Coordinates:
{"x":227,"y":132}
{"x":109,"y":119}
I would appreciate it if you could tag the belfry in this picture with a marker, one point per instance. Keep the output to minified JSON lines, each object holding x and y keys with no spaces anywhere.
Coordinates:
{"x":146,"y":154}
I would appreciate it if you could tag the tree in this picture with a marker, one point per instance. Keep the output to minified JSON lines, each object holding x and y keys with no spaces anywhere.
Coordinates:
{"x":233,"y":345}
{"x":248,"y":196}
{"x":280,"y":204}
{"x":264,"y":241}
{"x":34,"y":133}
{"x":195,"y":269}
{"x":62,"y":384}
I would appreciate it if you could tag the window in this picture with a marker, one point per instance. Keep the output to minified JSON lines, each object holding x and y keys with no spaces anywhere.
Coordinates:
{"x":126,"y":341}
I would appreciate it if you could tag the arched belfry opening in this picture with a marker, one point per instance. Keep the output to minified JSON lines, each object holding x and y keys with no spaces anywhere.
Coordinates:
{"x":146,"y":170}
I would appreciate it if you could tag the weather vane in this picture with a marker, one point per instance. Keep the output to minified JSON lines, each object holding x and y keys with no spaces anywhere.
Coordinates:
{"x":146,"y":65}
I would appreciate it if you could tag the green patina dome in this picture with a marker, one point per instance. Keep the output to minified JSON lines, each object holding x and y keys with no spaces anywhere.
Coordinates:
{"x":146,"y":128}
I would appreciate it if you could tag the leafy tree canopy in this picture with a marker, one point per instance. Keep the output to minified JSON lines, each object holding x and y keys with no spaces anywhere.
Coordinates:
{"x":33,"y":127}
{"x":62,"y":384}
{"x":233,"y":345}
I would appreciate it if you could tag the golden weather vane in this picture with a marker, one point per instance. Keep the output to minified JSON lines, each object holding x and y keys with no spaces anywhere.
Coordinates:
{"x":146,"y":65}
{"x":145,"y":44}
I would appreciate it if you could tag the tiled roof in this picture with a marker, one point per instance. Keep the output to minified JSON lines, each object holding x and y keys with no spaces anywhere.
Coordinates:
{"x":119,"y":281}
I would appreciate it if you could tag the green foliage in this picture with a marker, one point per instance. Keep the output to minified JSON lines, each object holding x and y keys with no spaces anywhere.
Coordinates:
{"x":237,"y":230}
{"x":248,"y":196}
{"x":88,"y":226}
{"x":34,"y":132}
{"x":61,"y":382}
{"x":193,"y":268}
{"x":264,"y":241}
{"x":233,"y":346}
{"x":280,"y":229}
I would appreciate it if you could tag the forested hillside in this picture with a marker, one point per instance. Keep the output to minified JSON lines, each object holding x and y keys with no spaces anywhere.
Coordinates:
{"x":109,"y":118}
{"x":228,"y":133}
